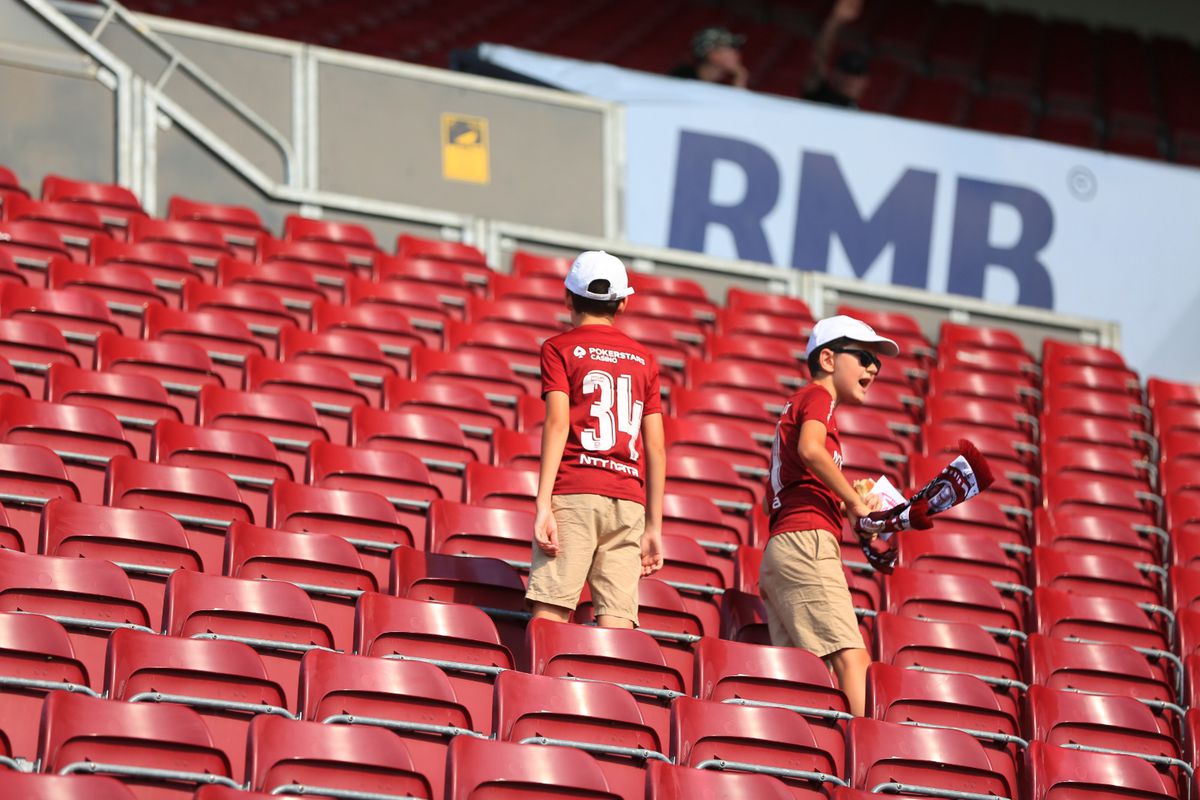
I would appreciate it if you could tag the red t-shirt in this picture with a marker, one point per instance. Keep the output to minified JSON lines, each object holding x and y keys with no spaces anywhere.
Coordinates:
{"x":612,"y":382}
{"x":799,"y":500}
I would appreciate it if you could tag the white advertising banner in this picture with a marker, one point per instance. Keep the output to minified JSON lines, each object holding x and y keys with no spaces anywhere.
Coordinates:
{"x":1010,"y":220}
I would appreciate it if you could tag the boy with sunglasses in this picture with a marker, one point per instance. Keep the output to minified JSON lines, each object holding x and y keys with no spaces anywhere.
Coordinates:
{"x":801,"y":580}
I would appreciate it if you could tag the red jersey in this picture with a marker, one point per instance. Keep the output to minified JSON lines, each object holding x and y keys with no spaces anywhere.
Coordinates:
{"x":799,"y":500}
{"x":612,"y":382}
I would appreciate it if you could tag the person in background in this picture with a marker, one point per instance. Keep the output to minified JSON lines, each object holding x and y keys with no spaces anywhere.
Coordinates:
{"x":716,"y":58}
{"x":844,"y":81}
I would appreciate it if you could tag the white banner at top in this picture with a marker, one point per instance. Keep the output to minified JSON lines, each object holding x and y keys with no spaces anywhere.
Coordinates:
{"x":1010,"y":220}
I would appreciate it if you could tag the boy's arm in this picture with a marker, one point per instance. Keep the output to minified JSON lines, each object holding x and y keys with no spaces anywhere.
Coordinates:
{"x":820,"y":463}
{"x":656,"y":479}
{"x":554,"y":439}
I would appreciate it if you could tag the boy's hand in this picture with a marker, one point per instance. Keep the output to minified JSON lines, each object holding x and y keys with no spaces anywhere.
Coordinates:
{"x":652,"y":552}
{"x":545,"y":531}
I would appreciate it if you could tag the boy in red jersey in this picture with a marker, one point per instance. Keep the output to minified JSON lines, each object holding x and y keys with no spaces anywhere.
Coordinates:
{"x":801,"y":580}
{"x":603,"y":466}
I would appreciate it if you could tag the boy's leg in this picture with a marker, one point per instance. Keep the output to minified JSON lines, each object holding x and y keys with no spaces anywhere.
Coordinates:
{"x":617,"y":567}
{"x":850,"y":667}
{"x":555,"y":582}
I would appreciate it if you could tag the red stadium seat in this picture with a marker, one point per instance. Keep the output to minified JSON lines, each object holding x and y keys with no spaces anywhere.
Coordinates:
{"x":75,"y":225}
{"x":263,"y":314}
{"x":600,"y":716}
{"x":667,"y":782}
{"x":181,"y":367}
{"x":295,"y":287}
{"x":30,"y":347}
{"x":479,"y":371}
{"x":275,"y":618}
{"x":455,"y":252}
{"x":1096,"y":494}
{"x":409,"y":301}
{"x":412,"y":700}
{"x":541,"y":317}
{"x":357,"y":355}
{"x":149,"y":545}
{"x":506,"y":771}
{"x":1096,"y":534}
{"x":1085,"y":462}
{"x":225,"y":338}
{"x":241,"y":227}
{"x":224,"y":681}
{"x":731,"y":322}
{"x":355,"y":241}
{"x":449,"y":283}
{"x":484,"y":582}
{"x":329,"y":390}
{"x":458,"y":638}
{"x":500,"y":487}
{"x":288,"y":421}
{"x":115,"y":204}
{"x":137,"y":401}
{"x":328,"y":264}
{"x":89,"y":597}
{"x":960,"y":554}
{"x":86,"y":439}
{"x":1061,"y":400}
{"x":743,"y":617}
{"x":1001,"y":114}
{"x":32,"y":246}
{"x":330,"y":760}
{"x":435,"y":438}
{"x":158,"y":750}
{"x":955,"y":598}
{"x":30,"y":477}
{"x":127,"y":292}
{"x":627,"y":657}
{"x":468,"y":407}
{"x":462,"y":529}
{"x":955,"y":647}
{"x":166,"y":265}
{"x":769,"y":741}
{"x":516,"y":345}
{"x":537,"y":265}
{"x":1057,"y":772}
{"x":769,"y":304}
{"x":36,"y":657}
{"x":516,"y":449}
{"x":325,"y":566}
{"x":202,"y":243}
{"x":887,"y":756}
{"x":77,"y":313}
{"x":1094,"y":575}
{"x":392,"y":332}
{"x":1096,"y":431}
{"x":35,"y":786}
{"x":983,"y":413}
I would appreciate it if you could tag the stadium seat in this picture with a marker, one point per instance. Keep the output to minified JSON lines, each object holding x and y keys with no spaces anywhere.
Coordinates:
{"x":1097,"y":534}
{"x":166,"y":265}
{"x":1060,"y":400}
{"x":955,"y":598}
{"x":427,"y":432}
{"x":289,"y":422}
{"x":360,"y":357}
{"x":960,"y":554}
{"x":203,"y":243}
{"x":1112,"y":723}
{"x":326,"y":567}
{"x":398,"y":476}
{"x":115,"y":204}
{"x":413,"y":303}
{"x":982,"y":413}
{"x":935,"y":700}
{"x":1068,"y":459}
{"x":461,"y":529}
{"x":77,"y":313}
{"x":1105,"y":495}
{"x":499,"y":487}
{"x":392,"y":332}
{"x":30,"y":347}
{"x":1000,"y":114}
{"x":32,"y":246}
{"x":86,"y":439}
{"x":667,"y":782}
{"x":480,"y":371}
{"x":241,"y":227}
{"x":766,"y":384}
{"x":35,"y":786}
{"x":263,"y":314}
{"x":776,"y":305}
{"x":620,"y":656}
{"x":36,"y":657}
{"x":507,"y":771}
{"x":275,"y":618}
{"x":733,"y":322}
{"x":127,"y":292}
{"x":181,"y":367}
{"x":717,"y":480}
{"x":487,"y":583}
{"x":885,"y":755}
{"x":76,"y":226}
{"x":329,"y":390}
{"x":157,"y":750}
{"x":1057,"y":772}
{"x":365,"y":519}
{"x":9,"y":382}
{"x":1114,"y":380}
{"x":327,"y":264}
{"x":743,"y":617}
{"x":225,"y":338}
{"x":519,"y":347}
{"x":770,"y":741}
{"x":536,"y":709}
{"x":438,"y":249}
{"x":1097,"y":431}
{"x":670,"y":344}
{"x":30,"y":477}
{"x":355,"y":241}
{"x":330,"y":760}
{"x":224,"y":681}
{"x":449,"y":283}
{"x":998,"y":362}
{"x":412,"y":700}
{"x":541,"y":317}
{"x":1095,"y":575}
{"x":149,"y":545}
{"x":137,"y":401}
{"x":537,"y":265}
{"x":468,"y":407}
{"x":458,"y":638}
{"x":516,"y":449}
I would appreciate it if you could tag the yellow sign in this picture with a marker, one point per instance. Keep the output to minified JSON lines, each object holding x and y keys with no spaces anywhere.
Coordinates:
{"x":465,"y":149}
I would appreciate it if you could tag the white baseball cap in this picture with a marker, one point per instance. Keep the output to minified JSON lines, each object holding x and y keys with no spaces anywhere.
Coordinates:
{"x":597,"y":265}
{"x":844,"y":327}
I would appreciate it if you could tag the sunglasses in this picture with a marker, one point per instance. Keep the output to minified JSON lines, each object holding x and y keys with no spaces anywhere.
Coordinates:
{"x":865,"y":357}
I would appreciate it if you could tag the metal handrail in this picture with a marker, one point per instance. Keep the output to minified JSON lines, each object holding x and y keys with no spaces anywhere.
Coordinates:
{"x":180,"y":62}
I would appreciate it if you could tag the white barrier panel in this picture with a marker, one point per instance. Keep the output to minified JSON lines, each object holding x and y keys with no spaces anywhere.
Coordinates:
{"x":740,"y":175}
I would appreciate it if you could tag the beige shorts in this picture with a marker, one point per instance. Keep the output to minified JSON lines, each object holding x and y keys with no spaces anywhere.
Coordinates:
{"x":805,"y":591}
{"x":599,"y":541}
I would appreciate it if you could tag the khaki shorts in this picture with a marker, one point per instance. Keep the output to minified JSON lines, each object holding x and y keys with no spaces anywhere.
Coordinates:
{"x":600,"y":541}
{"x":805,"y":591}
